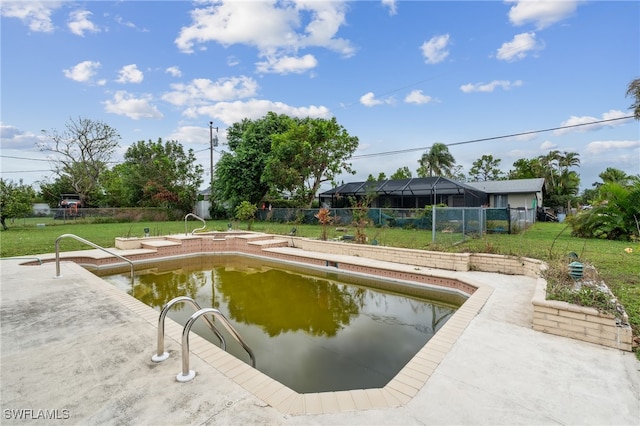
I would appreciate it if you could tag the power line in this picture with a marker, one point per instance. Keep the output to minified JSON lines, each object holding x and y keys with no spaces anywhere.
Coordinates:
{"x":402,"y":151}
{"x":25,"y":171}
{"x":23,"y":158}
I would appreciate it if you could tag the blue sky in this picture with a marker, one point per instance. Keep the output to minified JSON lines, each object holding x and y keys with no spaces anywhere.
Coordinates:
{"x":399,"y":75}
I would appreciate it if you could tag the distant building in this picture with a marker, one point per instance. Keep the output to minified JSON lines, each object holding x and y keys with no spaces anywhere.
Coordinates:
{"x":515,"y":193}
{"x":421,"y":192}
{"x":407,"y":193}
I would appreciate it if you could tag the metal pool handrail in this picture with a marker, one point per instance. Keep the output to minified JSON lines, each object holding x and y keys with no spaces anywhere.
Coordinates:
{"x":197,"y":229}
{"x":186,"y":374}
{"x":82,"y":240}
{"x":161,"y":355}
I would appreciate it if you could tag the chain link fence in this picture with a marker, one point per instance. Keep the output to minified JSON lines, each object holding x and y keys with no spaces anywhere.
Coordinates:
{"x":460,"y":221}
{"x":107,"y":214}
{"x":448,"y":224}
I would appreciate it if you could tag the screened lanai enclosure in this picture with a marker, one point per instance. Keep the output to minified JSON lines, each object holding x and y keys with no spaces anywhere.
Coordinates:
{"x":412,"y":193}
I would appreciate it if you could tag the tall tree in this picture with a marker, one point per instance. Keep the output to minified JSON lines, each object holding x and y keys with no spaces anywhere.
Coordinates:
{"x":561,"y":184}
{"x":526,"y":169}
{"x":613,"y":175}
{"x":16,"y":201}
{"x":633,"y":90}
{"x":486,"y":168}
{"x":81,"y":153}
{"x":160,"y":174}
{"x":402,"y":173}
{"x":238,"y":174}
{"x":438,"y":161}
{"x":310,"y":152}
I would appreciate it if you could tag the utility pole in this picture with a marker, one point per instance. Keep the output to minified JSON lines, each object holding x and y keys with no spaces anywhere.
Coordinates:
{"x":212,"y":142}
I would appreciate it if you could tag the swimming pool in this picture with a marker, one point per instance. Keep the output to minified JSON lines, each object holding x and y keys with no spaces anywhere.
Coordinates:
{"x":310,"y":330}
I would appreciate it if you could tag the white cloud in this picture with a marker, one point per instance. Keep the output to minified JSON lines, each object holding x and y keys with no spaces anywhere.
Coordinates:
{"x":79,"y":23}
{"x":130,"y":74}
{"x":435,"y":50}
{"x":391,"y":4}
{"x":203,"y":90}
{"x":120,"y":20}
{"x":36,"y":15}
{"x":287,"y":64}
{"x":126,"y":104}
{"x":196,"y":135}
{"x":583,"y":126}
{"x":600,"y":147}
{"x":490,"y":87}
{"x":15,"y":138}
{"x":417,"y":97}
{"x":542,"y":13}
{"x":274,"y":28}
{"x":369,"y":100}
{"x":548,"y":146}
{"x":174,"y":71}
{"x":519,"y":47}
{"x":233,"y":112}
{"x":82,"y":72}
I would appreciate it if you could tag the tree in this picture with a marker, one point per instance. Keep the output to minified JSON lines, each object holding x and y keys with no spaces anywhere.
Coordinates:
{"x":81,"y":153}
{"x":633,"y":90}
{"x":16,"y":200}
{"x":438,"y":161}
{"x":613,"y":175}
{"x":246,"y":211}
{"x":238,"y":174}
{"x":486,"y":168}
{"x":402,"y":173}
{"x":310,"y":152}
{"x":159,"y":174}
{"x":381,"y":177}
{"x":561,"y":184}
{"x":526,"y":169}
{"x":614,"y":214}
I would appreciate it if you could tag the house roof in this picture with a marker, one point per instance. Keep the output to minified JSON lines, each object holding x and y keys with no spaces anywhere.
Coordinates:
{"x":509,"y":186}
{"x":412,"y":186}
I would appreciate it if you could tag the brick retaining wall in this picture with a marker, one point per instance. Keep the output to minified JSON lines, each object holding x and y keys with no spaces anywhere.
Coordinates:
{"x":578,"y":322}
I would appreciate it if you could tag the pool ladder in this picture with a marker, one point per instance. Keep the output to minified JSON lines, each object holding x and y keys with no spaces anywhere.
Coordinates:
{"x":204,"y":224}
{"x":187,"y":374}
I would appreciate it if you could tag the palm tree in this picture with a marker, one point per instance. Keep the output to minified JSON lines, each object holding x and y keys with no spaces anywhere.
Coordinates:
{"x":614,"y":175}
{"x":568,"y":160}
{"x":438,"y":161}
{"x":634,"y":91}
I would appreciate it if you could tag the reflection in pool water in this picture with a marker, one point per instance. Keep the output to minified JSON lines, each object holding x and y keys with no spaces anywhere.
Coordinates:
{"x":312,"y":331}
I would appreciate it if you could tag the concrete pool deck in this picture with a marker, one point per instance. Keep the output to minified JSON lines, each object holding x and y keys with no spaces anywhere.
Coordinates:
{"x":76,"y":349}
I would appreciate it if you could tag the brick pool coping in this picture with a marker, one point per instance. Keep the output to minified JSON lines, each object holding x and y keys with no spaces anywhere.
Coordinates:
{"x":402,"y":264}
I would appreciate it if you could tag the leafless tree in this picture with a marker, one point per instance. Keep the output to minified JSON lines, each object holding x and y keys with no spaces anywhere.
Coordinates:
{"x":81,"y":153}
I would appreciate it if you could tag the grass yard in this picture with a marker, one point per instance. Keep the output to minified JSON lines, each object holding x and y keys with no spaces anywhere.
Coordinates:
{"x":547,"y":241}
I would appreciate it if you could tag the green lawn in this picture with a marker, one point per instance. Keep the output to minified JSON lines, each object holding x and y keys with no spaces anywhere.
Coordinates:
{"x":546,"y":241}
